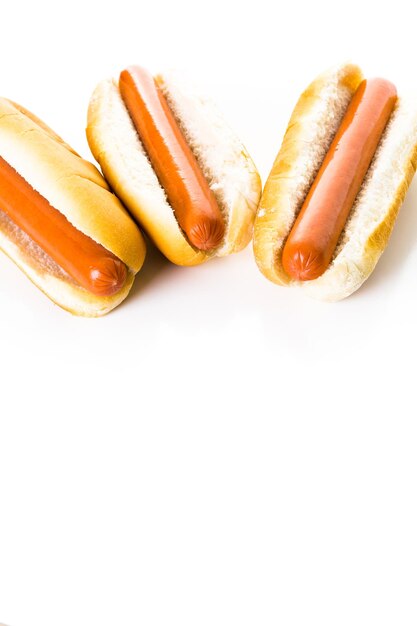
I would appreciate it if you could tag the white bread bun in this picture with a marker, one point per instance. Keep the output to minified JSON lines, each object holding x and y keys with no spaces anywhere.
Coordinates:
{"x":228,"y":168}
{"x":75,"y":188}
{"x":313,"y":124}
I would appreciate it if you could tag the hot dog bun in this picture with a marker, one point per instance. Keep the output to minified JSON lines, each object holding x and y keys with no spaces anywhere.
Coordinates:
{"x":75,"y":188}
{"x":310,"y":131}
{"x":228,"y":168}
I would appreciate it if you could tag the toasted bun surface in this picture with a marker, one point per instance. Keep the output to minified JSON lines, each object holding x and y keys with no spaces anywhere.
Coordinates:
{"x":76,"y":188}
{"x":310,"y":131}
{"x":229,"y":170}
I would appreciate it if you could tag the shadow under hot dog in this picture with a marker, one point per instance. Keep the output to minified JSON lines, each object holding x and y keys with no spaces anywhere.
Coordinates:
{"x":155,"y":263}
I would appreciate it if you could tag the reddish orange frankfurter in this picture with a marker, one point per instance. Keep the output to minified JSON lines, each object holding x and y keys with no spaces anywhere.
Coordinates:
{"x":87,"y":262}
{"x":175,"y":165}
{"x":316,"y":231}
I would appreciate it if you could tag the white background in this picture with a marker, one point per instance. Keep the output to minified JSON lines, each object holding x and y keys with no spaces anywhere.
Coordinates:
{"x":218,"y":451}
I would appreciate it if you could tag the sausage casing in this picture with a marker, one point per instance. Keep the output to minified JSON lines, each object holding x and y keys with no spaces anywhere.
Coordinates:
{"x":175,"y":165}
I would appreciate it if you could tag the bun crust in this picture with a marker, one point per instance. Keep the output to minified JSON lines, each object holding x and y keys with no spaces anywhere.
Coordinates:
{"x":227,"y":166}
{"x":310,"y":131}
{"x":76,"y":188}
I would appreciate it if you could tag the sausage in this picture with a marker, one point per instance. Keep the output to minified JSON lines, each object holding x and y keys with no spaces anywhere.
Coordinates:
{"x":313,"y":239}
{"x":175,"y":165}
{"x":87,"y":262}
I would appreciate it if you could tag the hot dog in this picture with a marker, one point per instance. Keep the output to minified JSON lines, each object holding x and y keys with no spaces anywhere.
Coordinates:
{"x":174,"y":163}
{"x":176,"y":166}
{"x":316,"y":231}
{"x":58,"y":220}
{"x":331,"y":199}
{"x":91,"y":265}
